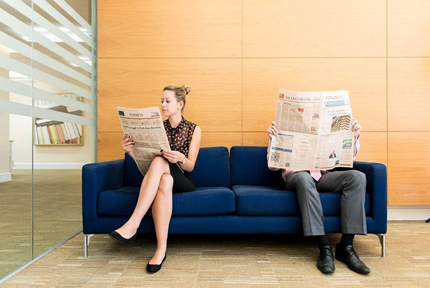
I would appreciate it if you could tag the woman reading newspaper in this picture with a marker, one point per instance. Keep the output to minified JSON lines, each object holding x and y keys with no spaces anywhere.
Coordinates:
{"x":167,"y":174}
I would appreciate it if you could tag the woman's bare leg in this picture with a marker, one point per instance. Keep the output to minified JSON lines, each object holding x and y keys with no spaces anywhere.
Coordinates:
{"x":161,"y":213}
{"x":148,"y":190}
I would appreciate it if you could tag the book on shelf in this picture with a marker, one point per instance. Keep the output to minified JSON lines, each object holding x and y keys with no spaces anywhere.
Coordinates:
{"x":51,"y":137}
{"x":73,"y":136}
{"x":66,"y":133}
{"x":39,"y":136}
{"x":60,"y":134}
{"x":45,"y":133}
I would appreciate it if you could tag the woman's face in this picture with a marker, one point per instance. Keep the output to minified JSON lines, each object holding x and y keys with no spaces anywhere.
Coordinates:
{"x":169,"y":104}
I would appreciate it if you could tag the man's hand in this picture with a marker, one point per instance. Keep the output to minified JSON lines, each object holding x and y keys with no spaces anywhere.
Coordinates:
{"x":272,"y":131}
{"x":356,"y":128}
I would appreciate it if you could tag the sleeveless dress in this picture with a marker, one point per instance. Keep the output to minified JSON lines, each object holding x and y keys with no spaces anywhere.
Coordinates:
{"x":179,"y":140}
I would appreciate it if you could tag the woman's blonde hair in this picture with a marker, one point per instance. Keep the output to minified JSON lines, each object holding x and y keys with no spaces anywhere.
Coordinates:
{"x":180,"y":92}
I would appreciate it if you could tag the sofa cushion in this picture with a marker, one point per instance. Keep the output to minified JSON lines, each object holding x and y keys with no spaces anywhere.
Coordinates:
{"x":269,"y":201}
{"x":132,"y":175}
{"x":264,"y":200}
{"x":203,"y":201}
{"x":212,"y":169}
{"x":249,"y":167}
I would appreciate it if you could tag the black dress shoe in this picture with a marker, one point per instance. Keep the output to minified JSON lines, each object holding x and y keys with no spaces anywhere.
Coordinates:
{"x":347,"y":255}
{"x":115,"y":235}
{"x":152,"y":268}
{"x":325,"y":261}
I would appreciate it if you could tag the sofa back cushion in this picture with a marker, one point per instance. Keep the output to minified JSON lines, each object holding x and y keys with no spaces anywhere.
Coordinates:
{"x":248,"y":166}
{"x":213,"y":169}
{"x":132,"y":175}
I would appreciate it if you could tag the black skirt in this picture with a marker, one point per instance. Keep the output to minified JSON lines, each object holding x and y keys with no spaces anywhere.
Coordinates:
{"x":182,"y":181}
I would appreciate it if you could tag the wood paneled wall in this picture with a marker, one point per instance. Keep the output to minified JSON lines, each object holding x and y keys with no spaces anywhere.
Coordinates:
{"x":236,"y":54}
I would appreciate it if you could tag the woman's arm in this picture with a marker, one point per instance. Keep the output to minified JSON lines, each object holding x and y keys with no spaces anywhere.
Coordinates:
{"x":190,"y":161}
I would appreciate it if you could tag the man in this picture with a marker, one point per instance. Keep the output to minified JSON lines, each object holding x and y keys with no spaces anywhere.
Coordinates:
{"x":352,"y":185}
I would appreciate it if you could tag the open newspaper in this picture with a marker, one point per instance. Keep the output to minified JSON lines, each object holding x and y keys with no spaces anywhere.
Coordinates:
{"x":314,"y":131}
{"x":145,"y":127}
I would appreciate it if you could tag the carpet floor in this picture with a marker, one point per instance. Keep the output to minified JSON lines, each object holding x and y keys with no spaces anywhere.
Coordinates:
{"x":233,"y":261}
{"x":37,"y":215}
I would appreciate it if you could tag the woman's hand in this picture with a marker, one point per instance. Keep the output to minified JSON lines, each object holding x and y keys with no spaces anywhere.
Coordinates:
{"x":127,"y":143}
{"x":272,"y":130}
{"x":173,"y":156}
{"x":356,"y":128}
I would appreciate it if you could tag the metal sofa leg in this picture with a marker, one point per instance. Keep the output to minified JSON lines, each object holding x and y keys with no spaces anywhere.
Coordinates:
{"x":382,"y":241}
{"x":86,"y":244}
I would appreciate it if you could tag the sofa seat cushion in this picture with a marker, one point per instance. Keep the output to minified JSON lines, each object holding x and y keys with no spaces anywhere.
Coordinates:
{"x":203,"y":201}
{"x":269,"y":201}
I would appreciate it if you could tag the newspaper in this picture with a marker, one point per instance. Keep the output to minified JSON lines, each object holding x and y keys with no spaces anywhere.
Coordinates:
{"x":314,"y":131}
{"x":145,"y":127}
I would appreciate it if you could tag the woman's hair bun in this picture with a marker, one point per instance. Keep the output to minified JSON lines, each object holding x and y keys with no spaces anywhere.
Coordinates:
{"x":186,"y":88}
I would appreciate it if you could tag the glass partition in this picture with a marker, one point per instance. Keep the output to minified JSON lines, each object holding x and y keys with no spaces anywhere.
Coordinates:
{"x":48,"y":123}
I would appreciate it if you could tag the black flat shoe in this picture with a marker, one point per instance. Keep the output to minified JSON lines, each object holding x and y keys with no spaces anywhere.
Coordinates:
{"x":347,"y":255}
{"x":115,"y":235}
{"x":325,"y":261}
{"x":152,"y":268}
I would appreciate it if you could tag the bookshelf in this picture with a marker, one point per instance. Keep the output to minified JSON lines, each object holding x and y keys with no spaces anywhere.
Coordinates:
{"x":58,"y":133}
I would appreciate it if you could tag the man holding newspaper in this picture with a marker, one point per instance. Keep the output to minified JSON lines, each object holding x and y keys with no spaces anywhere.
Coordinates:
{"x":314,"y":132}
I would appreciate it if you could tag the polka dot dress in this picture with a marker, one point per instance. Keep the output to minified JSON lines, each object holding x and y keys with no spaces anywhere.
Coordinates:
{"x":180,"y":136}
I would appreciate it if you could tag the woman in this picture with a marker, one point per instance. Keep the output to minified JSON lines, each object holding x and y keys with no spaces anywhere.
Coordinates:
{"x":167,"y":174}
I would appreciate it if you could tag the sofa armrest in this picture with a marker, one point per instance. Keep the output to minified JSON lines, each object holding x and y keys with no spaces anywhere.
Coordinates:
{"x":376,"y":175}
{"x":98,"y":177}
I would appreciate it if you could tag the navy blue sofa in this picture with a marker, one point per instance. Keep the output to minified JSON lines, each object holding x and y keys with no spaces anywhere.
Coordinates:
{"x":235,"y":193}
